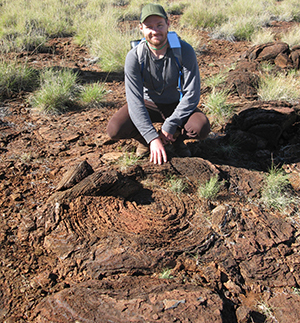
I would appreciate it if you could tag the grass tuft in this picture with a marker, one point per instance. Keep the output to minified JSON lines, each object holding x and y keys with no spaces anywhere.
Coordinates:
{"x":262,"y":36}
{"x":177,"y":185}
{"x":15,"y":78}
{"x":25,"y":26}
{"x":292,"y":37}
{"x":266,"y":310}
{"x":287,"y":10}
{"x":215,"y":80}
{"x":203,"y":16}
{"x":217,"y":108}
{"x":280,"y":87}
{"x":58,"y":91}
{"x":93,"y":93}
{"x":97,"y":23}
{"x":275,"y":193}
{"x":166,"y":274}
{"x":210,"y":189}
{"x":127,"y":160}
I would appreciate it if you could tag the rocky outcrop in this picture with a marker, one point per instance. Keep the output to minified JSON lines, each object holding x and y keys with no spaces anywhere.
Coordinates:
{"x":221,"y":251}
{"x":277,"y":53}
{"x":243,"y":80}
{"x":263,"y":125}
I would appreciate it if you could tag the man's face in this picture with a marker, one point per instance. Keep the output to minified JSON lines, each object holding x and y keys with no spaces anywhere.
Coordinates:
{"x":155,"y":30}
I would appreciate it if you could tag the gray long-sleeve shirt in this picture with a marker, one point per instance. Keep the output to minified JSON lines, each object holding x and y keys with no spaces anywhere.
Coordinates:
{"x":159,"y":84}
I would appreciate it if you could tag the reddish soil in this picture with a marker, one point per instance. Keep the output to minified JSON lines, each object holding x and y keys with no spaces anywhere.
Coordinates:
{"x":94,"y":251}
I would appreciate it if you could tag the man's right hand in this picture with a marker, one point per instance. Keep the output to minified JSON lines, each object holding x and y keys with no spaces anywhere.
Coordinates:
{"x":158,"y":153}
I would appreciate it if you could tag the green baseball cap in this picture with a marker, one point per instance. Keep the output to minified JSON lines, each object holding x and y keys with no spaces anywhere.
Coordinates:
{"x":152,"y":9}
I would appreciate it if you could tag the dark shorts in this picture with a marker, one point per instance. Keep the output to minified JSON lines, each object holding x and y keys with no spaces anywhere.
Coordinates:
{"x":121,"y":127}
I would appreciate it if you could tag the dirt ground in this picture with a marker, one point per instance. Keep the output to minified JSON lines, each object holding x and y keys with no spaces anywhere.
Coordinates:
{"x":95,"y":250}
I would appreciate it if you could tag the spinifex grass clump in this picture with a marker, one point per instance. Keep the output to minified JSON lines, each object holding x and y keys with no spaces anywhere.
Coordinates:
{"x":275,"y":193}
{"x":93,"y":93}
{"x":15,"y":78}
{"x":99,"y":30}
{"x":280,"y":87}
{"x":237,"y":19}
{"x":127,"y":160}
{"x":232,"y":19}
{"x":217,"y":107}
{"x":287,"y":10}
{"x":210,"y":189}
{"x":190,"y":35}
{"x":266,"y":310}
{"x":58,"y":91}
{"x":262,"y":36}
{"x":204,"y":14}
{"x":166,"y":274}
{"x":177,"y":185}
{"x":215,"y":80}
{"x":292,"y":37}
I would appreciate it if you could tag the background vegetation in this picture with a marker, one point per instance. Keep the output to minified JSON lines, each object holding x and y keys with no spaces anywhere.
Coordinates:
{"x":105,"y":27}
{"x":96,"y":23}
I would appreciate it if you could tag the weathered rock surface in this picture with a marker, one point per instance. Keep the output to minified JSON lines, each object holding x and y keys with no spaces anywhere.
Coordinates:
{"x":277,"y":53}
{"x":155,"y":302}
{"x":243,"y":80}
{"x":230,"y":249}
{"x":265,"y":124}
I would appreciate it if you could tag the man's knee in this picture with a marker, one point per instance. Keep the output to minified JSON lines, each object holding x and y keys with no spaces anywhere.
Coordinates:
{"x":205,"y":129}
{"x":198,"y":126}
{"x":112,"y":131}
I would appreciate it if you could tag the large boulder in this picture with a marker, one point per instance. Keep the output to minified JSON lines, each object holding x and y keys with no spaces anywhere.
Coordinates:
{"x":278,"y":53}
{"x":243,"y":80}
{"x":264,"y":123}
{"x":295,"y":57}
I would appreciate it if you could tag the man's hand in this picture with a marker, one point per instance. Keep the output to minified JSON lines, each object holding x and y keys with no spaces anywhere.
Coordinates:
{"x":158,"y":154}
{"x":166,"y":137}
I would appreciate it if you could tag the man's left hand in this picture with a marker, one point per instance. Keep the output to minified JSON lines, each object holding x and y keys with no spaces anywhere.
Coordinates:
{"x":166,"y":137}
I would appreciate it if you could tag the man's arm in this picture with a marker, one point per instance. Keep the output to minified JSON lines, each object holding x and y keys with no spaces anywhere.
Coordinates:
{"x":135,"y":98}
{"x":190,"y":89}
